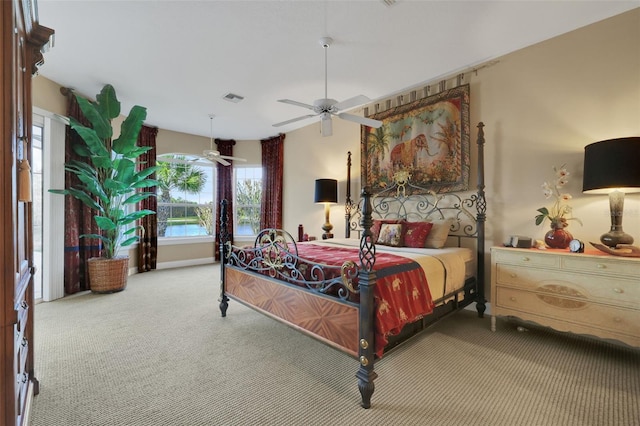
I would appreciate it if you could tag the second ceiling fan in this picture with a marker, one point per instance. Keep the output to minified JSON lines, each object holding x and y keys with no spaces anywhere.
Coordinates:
{"x":214,"y":154}
{"x":326,"y":107}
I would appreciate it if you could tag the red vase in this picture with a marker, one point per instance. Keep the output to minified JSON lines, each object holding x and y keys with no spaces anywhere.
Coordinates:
{"x":558,"y":238}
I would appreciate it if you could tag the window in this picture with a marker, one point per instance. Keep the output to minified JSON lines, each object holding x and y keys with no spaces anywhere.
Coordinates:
{"x":248,"y":194}
{"x":186,"y":196}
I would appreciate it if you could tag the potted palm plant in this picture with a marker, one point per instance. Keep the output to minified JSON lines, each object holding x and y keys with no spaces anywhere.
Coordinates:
{"x":109,"y":182}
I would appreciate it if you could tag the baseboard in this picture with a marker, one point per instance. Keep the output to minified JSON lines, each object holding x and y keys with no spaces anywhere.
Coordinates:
{"x":178,"y":264}
{"x":183,"y":263}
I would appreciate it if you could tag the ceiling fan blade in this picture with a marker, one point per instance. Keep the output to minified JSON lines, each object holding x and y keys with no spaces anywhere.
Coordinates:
{"x":227,"y":157}
{"x":294,"y":120}
{"x":352,"y":102}
{"x":296,"y":103}
{"x":221,"y":161}
{"x":362,"y":120}
{"x":326,"y":126}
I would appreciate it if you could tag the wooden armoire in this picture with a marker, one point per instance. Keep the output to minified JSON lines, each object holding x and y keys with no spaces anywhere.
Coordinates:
{"x":23,"y":41}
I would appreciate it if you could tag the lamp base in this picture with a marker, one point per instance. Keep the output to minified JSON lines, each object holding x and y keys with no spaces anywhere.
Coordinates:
{"x":615,"y":237}
{"x":327,"y":235}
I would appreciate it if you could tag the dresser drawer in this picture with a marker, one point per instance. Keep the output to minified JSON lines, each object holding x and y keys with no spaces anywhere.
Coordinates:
{"x":596,"y":288}
{"x":525,"y":257}
{"x":571,"y":310}
{"x":602,"y":265}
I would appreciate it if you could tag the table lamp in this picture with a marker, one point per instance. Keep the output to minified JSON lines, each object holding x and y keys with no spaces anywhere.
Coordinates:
{"x":326,"y":192}
{"x":613,"y":167}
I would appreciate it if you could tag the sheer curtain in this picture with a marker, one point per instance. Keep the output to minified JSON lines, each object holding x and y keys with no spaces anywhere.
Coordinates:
{"x":272,"y":182}
{"x":148,"y":244}
{"x":78,"y":217}
{"x":224,"y":190}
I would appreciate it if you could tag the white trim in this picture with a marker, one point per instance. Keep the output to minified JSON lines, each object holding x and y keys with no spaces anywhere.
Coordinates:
{"x":54,"y":131}
{"x":171,"y":241}
{"x":183,"y":263}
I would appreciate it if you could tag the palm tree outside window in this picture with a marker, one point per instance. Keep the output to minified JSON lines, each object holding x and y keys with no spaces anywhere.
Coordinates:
{"x":186,"y":196}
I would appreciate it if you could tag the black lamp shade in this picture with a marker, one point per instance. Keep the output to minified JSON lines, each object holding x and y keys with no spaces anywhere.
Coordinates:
{"x":612,"y":164}
{"x":326,"y":191}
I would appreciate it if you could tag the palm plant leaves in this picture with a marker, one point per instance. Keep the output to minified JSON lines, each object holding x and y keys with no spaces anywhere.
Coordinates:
{"x":109,"y":182}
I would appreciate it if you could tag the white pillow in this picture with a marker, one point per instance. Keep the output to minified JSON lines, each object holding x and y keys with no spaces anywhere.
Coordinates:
{"x":438,"y":235}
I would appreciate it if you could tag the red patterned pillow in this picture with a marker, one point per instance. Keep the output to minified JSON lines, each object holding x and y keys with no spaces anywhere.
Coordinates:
{"x":377,"y":224}
{"x":415,"y":233}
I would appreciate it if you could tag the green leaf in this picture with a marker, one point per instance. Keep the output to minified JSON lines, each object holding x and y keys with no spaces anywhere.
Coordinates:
{"x":543,"y":210}
{"x":137,"y":197}
{"x":129,"y":241}
{"x":99,"y":123}
{"x":108,"y":103}
{"x":104,"y":223}
{"x":129,"y":130}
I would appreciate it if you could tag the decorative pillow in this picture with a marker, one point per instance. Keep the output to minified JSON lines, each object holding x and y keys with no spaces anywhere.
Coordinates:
{"x":415,"y":234}
{"x":439,"y":232}
{"x":390,"y":234}
{"x":377,"y":223}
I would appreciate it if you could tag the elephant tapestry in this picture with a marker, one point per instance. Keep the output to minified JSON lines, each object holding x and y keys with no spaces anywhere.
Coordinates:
{"x":425,"y":143}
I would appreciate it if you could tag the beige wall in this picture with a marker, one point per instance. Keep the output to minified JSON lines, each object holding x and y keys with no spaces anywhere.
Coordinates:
{"x":541,"y":105}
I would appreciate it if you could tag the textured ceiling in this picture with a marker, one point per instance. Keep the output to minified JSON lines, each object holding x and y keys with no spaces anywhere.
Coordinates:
{"x":180,"y":58}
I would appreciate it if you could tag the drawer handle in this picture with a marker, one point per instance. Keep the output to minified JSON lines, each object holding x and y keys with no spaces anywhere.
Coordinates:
{"x":601,"y":266}
{"x":618,"y":290}
{"x":617,"y":319}
{"x":513,"y":275}
{"x":525,"y":259}
{"x":512,"y":298}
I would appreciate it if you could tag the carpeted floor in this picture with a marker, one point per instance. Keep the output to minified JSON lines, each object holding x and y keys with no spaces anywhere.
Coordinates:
{"x":160,"y":354}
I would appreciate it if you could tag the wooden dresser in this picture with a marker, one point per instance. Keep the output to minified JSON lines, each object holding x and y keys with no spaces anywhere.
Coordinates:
{"x":22,"y":42}
{"x":589,"y":293}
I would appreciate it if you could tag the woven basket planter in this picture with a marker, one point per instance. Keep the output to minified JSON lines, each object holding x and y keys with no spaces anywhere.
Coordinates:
{"x":108,"y":275}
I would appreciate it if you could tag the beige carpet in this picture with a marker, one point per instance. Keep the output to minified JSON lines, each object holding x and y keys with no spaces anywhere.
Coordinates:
{"x":160,"y":354}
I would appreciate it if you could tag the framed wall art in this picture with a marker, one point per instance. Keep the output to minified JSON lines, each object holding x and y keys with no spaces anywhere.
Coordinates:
{"x":425,"y":142}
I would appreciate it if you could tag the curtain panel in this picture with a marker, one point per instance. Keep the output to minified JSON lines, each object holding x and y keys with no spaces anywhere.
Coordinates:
{"x":78,"y":217}
{"x":224,"y":190}
{"x":272,"y":181}
{"x":148,"y":243}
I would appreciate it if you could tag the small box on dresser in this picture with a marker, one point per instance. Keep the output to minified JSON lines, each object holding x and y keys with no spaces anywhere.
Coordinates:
{"x":584,"y":293}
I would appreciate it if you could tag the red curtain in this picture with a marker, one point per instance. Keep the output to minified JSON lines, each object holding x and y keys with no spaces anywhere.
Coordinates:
{"x":148,"y":244}
{"x":272,"y":182}
{"x":225,"y":190}
{"x":78,"y":217}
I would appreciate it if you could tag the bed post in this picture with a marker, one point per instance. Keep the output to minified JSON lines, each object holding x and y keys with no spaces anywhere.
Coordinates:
{"x":224,"y":239}
{"x":367,"y":282}
{"x":481,"y":208}
{"x":348,"y":204}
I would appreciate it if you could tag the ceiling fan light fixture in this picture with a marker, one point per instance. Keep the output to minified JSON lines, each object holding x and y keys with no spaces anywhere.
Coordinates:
{"x":326,"y":107}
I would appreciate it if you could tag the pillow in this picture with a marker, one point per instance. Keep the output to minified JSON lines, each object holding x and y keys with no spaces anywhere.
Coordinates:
{"x":377,"y":223}
{"x":415,"y":234}
{"x":390,"y":234}
{"x":439,"y":232}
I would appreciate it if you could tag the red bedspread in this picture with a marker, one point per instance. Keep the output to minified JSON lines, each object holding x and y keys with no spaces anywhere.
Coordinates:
{"x":401,"y":294}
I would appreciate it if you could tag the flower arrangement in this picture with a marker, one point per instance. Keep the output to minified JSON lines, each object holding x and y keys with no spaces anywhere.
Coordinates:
{"x":560,"y":212}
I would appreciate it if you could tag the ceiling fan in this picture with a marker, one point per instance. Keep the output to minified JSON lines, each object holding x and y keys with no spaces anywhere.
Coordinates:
{"x":214,"y":155}
{"x":326,"y":107}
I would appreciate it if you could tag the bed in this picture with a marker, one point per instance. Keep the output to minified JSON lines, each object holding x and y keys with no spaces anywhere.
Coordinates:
{"x":408,"y":259}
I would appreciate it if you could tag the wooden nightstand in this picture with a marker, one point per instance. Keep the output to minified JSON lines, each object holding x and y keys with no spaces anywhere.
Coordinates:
{"x":588,"y":293}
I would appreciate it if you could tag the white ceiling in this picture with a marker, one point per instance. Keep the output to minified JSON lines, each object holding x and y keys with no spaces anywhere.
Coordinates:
{"x":179,"y":58}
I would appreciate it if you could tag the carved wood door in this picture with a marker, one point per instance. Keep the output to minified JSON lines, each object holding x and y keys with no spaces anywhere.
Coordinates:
{"x":22,"y":41}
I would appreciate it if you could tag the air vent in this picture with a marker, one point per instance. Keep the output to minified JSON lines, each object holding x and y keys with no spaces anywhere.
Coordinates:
{"x":232,"y":98}
{"x":389,"y":2}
